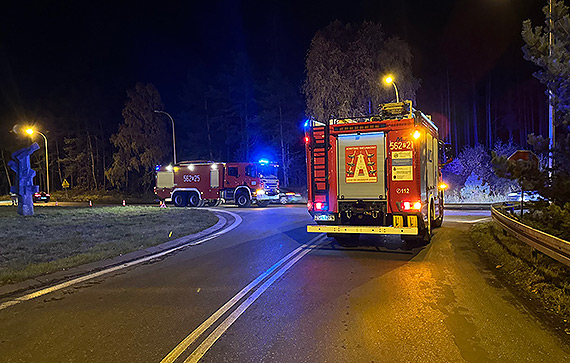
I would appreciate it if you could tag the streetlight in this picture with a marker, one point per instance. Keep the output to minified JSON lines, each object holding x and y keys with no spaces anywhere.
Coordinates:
{"x":30,"y":132}
{"x":173,"y":135}
{"x":389,"y":80}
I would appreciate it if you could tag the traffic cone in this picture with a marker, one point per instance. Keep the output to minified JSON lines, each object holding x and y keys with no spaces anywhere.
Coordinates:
{"x":90,"y":204}
{"x":162,"y":204}
{"x":124,"y":204}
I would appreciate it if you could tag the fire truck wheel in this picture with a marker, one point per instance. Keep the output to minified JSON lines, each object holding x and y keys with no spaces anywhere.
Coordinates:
{"x":179,"y":199}
{"x":242,"y":200}
{"x":194,"y":200}
{"x":263,"y":203}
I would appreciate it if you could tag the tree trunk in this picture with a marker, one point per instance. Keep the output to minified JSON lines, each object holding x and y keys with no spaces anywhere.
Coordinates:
{"x":208,"y":128}
{"x":6,"y":169}
{"x":488,"y":114}
{"x":58,"y":162}
{"x":92,"y":160}
{"x":284,"y":161}
{"x":475,"y":120}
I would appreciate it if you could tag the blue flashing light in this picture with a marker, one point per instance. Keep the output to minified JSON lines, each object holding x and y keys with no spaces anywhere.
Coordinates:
{"x":306,"y":124}
{"x":263,"y":161}
{"x":157,"y":168}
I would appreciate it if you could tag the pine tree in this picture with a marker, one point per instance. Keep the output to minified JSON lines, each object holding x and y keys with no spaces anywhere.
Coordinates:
{"x":553,"y":60}
{"x":142,"y":141}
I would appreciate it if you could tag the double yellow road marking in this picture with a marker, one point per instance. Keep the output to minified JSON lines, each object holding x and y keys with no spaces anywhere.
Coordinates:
{"x":254,"y":289}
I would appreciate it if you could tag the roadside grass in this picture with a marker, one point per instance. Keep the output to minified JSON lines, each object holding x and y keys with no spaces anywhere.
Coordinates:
{"x":59,"y":238}
{"x":535,"y":275}
{"x":101,"y":196}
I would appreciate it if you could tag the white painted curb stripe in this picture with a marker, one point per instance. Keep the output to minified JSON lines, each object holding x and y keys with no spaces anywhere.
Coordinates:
{"x":77,"y":280}
{"x":184,"y":344}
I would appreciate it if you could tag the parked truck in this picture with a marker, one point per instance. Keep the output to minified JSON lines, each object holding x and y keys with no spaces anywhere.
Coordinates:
{"x":378,"y":174}
{"x":199,"y":183}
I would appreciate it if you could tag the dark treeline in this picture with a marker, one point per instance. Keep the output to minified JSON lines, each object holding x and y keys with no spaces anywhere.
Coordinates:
{"x":238,"y":114}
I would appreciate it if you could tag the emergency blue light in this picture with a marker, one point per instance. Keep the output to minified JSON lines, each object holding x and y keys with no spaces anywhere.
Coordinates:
{"x":157,"y":168}
{"x":306,"y":123}
{"x":263,"y":161}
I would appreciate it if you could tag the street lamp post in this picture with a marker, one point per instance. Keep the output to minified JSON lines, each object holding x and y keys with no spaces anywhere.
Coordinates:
{"x":30,"y":132}
{"x":391,"y":80}
{"x":173,"y":134}
{"x":551,"y":114}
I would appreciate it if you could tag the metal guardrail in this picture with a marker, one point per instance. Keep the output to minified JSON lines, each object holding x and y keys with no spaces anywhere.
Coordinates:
{"x":554,"y":247}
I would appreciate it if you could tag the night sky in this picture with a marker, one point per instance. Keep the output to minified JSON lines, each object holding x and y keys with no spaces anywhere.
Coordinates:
{"x":68,"y":49}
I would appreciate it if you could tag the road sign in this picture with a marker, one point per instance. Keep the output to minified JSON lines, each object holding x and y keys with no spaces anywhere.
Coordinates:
{"x":65,"y":184}
{"x":525,"y":155}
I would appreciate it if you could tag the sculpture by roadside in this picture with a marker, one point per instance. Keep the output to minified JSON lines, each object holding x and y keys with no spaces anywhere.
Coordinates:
{"x":24,"y":187}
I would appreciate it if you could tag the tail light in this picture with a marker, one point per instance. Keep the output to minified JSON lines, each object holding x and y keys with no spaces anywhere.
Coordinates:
{"x":320,"y":206}
{"x":411,"y":206}
{"x":306,"y":139}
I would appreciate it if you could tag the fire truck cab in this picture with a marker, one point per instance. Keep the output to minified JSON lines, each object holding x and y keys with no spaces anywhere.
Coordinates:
{"x":199,"y":183}
{"x":375,"y":175}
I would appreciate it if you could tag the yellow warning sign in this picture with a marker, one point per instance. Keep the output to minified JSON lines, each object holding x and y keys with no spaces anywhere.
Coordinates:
{"x":65,"y":184}
{"x":361,"y":164}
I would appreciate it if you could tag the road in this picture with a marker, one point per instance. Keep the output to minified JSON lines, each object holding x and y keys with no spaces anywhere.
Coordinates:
{"x":308,"y":300}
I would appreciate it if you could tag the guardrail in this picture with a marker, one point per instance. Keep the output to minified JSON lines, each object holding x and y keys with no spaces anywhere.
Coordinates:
{"x":554,"y":247}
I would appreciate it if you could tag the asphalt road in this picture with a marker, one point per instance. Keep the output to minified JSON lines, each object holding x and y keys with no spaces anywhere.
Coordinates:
{"x":309,"y":301}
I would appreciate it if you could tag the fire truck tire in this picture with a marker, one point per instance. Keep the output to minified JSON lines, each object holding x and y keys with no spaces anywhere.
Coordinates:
{"x":194,"y":200}
{"x":439,"y":220}
{"x":263,"y":203}
{"x":180,"y":199}
{"x":242,"y":200}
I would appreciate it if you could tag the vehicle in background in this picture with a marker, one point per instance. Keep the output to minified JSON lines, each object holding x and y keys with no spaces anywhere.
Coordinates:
{"x":199,"y":183}
{"x":41,"y":197}
{"x":379,"y":174}
{"x":528,"y":197}
{"x":287,"y":196}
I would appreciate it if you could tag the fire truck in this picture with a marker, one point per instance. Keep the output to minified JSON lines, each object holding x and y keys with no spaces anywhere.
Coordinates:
{"x":199,"y":183}
{"x":378,"y":174}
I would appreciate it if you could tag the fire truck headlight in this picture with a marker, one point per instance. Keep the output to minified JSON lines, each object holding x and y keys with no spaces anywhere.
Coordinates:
{"x":442,"y":186}
{"x":417,"y":135}
{"x":417,"y":205}
{"x":169,"y":168}
{"x":214,"y":167}
{"x":406,"y":205}
{"x":191,"y":167}
{"x":260,"y":192}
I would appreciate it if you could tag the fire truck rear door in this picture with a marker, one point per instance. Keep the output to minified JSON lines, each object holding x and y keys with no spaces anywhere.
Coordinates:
{"x":361,"y":161}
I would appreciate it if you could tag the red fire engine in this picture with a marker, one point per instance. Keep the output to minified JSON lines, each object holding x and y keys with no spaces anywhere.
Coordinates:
{"x":199,"y":183}
{"x":375,"y":175}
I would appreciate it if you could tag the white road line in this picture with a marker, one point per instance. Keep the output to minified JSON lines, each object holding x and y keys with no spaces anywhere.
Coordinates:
{"x":476,"y":220}
{"x":77,"y":280}
{"x":217,"y":333}
{"x":184,"y":344}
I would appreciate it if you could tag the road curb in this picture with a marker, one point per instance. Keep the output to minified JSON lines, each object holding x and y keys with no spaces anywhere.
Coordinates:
{"x":67,"y":274}
{"x":468,"y":206}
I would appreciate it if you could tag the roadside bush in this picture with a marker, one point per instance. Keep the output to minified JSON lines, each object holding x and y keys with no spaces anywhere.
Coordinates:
{"x":550,"y":218}
{"x":471,"y":177}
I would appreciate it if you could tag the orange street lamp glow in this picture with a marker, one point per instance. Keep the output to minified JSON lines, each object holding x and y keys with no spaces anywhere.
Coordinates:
{"x":30,"y":131}
{"x":389,"y":80}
